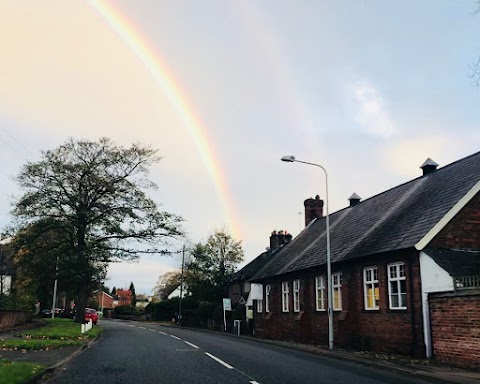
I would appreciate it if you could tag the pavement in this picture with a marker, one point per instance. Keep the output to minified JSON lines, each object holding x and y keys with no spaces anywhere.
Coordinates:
{"x":55,"y":358}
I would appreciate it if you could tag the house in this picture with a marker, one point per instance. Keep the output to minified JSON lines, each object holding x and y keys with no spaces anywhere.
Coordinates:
{"x":103,"y":299}
{"x":7,"y":271}
{"x":122,"y":297}
{"x":179,"y":290}
{"x":393,"y":257}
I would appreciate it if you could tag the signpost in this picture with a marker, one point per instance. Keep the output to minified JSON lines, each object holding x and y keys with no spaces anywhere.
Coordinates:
{"x":227,"y":306}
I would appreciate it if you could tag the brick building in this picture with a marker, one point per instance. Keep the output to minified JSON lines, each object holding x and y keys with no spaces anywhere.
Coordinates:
{"x":391,"y":254}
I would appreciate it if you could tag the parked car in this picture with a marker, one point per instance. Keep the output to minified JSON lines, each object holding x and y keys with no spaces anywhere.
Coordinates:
{"x":48,"y":312}
{"x":91,"y":314}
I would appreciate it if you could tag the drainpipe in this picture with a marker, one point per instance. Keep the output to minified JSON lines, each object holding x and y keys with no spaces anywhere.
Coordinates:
{"x":412,"y":302}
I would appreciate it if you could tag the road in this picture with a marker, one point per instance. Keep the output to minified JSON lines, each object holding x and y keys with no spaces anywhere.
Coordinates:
{"x":132,"y":352}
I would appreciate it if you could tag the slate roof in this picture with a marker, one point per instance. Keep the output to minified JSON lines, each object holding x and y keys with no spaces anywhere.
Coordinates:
{"x":392,"y":220}
{"x":251,"y":268}
{"x":456,"y":262}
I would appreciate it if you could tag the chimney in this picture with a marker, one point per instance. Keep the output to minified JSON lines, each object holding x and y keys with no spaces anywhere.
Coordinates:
{"x":429,"y":166}
{"x":279,"y":239}
{"x":274,"y":241}
{"x":354,"y":199}
{"x":313,"y":209}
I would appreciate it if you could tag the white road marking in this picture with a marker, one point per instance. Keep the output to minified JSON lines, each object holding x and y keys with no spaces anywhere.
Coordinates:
{"x":130,"y":325}
{"x":142,"y":327}
{"x":175,"y":337}
{"x":219,"y":361}
{"x":152,"y":330}
{"x":192,"y":345}
{"x":254,"y":382}
{"x":163,"y":333}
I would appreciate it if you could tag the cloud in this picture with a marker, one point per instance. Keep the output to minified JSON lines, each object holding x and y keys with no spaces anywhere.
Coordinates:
{"x":372,"y":113}
{"x":143,"y":274}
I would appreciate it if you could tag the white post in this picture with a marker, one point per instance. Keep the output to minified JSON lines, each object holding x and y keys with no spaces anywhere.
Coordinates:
{"x":82,"y":328}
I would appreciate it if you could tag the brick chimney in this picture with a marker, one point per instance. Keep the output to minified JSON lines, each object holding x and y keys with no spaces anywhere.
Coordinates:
{"x":313,"y":209}
{"x":279,"y":239}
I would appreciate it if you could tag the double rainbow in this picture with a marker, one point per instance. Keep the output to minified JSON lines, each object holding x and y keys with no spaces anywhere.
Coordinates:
{"x":141,"y":48}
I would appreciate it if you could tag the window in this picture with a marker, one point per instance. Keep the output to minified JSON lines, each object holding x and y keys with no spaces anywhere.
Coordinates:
{"x":397,"y":286}
{"x":296,"y":295}
{"x":267,"y":298}
{"x":285,"y":296}
{"x":320,"y":293}
{"x":370,"y":287}
{"x":337,"y":291}
{"x":259,"y":306}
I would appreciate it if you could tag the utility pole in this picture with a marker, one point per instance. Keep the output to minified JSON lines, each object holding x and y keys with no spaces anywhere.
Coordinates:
{"x":181,"y":288}
{"x":55,"y":289}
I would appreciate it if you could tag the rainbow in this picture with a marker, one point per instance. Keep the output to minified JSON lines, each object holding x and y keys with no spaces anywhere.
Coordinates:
{"x":139,"y":45}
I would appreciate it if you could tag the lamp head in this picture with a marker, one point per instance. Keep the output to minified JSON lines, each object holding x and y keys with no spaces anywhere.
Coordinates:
{"x":289,"y":159}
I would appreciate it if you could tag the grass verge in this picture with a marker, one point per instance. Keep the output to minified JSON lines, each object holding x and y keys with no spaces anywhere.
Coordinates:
{"x":63,"y":329}
{"x":36,"y":344}
{"x":12,"y":372}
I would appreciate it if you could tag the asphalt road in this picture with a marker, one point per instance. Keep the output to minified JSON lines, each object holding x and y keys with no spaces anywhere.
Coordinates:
{"x":131,"y":352}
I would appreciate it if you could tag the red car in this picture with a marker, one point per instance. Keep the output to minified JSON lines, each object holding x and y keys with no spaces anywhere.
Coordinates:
{"x":91,"y":314}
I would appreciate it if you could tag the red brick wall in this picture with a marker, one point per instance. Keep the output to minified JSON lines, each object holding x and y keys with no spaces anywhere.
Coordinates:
{"x":462,"y":231}
{"x":399,"y":331}
{"x":455,"y":322}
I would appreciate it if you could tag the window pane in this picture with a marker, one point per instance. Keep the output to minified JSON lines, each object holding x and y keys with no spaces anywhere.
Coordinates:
{"x":403,"y":286}
{"x":403,"y":298}
{"x":393,"y":287}
{"x":395,"y":301}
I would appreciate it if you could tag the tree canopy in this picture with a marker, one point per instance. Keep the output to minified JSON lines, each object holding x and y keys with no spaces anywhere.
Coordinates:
{"x":93,"y":195}
{"x":212,"y":265}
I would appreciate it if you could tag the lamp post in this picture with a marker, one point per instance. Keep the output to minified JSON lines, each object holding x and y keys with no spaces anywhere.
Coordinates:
{"x":291,"y":159}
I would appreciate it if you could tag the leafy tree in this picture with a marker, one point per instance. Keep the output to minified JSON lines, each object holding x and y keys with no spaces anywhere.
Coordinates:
{"x":95,"y":192}
{"x":211,"y":266}
{"x":166,"y":284}
{"x":134,"y":295}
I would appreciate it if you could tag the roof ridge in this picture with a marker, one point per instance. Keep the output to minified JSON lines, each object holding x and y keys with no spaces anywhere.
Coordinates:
{"x":415,"y":179}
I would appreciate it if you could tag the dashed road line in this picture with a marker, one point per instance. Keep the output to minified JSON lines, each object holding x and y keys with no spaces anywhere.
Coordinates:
{"x":219,"y":361}
{"x":163,"y":333}
{"x":152,"y":330}
{"x":175,"y":337}
{"x":142,"y":327}
{"x":192,"y":345}
{"x":254,"y":382}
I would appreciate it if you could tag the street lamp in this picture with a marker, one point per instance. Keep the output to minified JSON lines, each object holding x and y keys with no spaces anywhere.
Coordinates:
{"x":291,"y":159}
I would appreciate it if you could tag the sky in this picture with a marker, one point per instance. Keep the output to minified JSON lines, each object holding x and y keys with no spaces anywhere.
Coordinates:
{"x":224,"y":89}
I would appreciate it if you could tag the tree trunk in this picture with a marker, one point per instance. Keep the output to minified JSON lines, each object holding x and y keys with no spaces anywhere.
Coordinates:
{"x":82,"y":297}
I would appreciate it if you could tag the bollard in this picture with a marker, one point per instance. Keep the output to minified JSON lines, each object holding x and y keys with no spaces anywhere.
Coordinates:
{"x":82,"y":328}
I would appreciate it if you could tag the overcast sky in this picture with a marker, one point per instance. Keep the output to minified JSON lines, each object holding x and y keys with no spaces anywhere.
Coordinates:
{"x":223,"y":89}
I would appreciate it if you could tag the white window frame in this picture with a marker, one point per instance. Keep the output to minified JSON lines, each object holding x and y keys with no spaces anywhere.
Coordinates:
{"x":285,"y":296}
{"x":320,"y":293}
{"x":396,"y":280}
{"x":296,"y":295}
{"x":268,"y":288}
{"x":370,"y":284}
{"x":259,"y":306}
{"x":337,"y":285}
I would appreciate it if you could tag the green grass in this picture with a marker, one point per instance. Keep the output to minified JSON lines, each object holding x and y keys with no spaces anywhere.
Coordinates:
{"x":36,"y":344}
{"x":16,"y":372}
{"x":63,"y":329}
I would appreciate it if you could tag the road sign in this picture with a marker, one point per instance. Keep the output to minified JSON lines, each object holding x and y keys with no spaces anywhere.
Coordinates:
{"x":241,"y":301}
{"x":227,"y":304}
